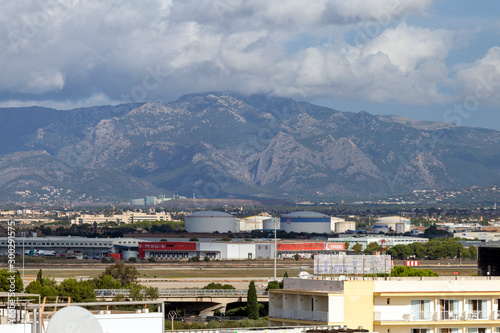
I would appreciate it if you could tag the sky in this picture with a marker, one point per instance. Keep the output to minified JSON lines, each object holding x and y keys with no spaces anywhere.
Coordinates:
{"x":431,"y":60}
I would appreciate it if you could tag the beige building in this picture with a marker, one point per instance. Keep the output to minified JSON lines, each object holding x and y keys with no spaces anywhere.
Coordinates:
{"x":392,"y":305}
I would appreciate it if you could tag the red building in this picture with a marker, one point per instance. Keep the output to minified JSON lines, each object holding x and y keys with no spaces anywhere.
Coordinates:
{"x":167,"y":250}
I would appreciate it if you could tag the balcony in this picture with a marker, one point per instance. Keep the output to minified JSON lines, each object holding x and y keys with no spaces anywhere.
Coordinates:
{"x":387,"y":316}
{"x":449,"y":315}
{"x":475,"y":315}
{"x":298,"y":314}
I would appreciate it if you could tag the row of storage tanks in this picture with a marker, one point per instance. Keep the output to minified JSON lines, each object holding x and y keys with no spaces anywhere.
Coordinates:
{"x":303,"y":221}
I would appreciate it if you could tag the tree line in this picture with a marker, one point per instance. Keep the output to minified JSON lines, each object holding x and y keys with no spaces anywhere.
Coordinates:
{"x":438,"y":248}
{"x":117,"y":276}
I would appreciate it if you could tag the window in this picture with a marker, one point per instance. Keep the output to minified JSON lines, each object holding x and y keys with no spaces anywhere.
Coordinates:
{"x":449,"y":309}
{"x":420,"y":309}
{"x":448,"y":330}
{"x":496,"y":311}
{"x":476,"y":330}
{"x":476,"y":309}
{"x":419,"y":330}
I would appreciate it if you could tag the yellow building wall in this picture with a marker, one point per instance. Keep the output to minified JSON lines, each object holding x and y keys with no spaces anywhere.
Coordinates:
{"x":358,"y":304}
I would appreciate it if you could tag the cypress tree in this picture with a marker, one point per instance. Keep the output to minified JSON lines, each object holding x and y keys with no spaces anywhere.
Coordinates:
{"x":252,"y":303}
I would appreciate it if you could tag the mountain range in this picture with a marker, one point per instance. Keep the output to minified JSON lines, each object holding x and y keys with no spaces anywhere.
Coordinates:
{"x":228,"y":145}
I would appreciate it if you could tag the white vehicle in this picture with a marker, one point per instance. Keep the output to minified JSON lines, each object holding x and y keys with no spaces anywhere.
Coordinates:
{"x":46,"y":253}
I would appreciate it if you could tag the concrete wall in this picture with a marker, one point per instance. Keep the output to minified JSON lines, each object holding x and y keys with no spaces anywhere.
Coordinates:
{"x":316,"y":285}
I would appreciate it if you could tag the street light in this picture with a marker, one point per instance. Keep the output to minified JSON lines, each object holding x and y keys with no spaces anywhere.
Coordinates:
{"x":275,"y":249}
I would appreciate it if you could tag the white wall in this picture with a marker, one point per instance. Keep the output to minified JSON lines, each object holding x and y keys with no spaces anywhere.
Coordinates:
{"x":336,"y":309}
{"x":15,"y":328}
{"x":240,"y":251}
{"x":132,"y":323}
{"x":438,"y":285}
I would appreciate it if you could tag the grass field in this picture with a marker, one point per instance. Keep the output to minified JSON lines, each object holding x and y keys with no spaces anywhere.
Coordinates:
{"x":220,"y":269}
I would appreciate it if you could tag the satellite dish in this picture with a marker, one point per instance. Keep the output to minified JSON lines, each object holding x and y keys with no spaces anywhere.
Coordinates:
{"x":74,"y":319}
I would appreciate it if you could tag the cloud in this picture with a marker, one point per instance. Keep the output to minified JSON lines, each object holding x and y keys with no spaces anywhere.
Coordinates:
{"x":479,"y":81}
{"x":97,"y":99}
{"x":74,"y":51}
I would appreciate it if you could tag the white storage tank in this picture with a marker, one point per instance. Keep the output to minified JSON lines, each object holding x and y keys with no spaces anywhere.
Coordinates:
{"x":395,"y":224}
{"x":210,"y":221}
{"x":126,"y":255}
{"x":270,"y":222}
{"x":343,"y":226}
{"x":306,"y":222}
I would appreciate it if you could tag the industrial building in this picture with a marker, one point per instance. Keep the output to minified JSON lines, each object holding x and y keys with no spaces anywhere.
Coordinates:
{"x":210,"y":221}
{"x":396,"y":224}
{"x":234,"y":250}
{"x":389,"y":240}
{"x":393,"y":305}
{"x":68,"y":245}
{"x":310,"y":222}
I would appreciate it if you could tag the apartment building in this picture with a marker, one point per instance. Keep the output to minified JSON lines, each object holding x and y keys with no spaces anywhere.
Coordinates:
{"x":125,"y":217}
{"x":391,"y":305}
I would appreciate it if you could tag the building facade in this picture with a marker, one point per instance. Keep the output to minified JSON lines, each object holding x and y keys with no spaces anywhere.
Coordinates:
{"x":391,"y":305}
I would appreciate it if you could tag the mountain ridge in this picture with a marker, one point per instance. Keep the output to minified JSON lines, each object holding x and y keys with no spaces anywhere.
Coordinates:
{"x":221,"y":144}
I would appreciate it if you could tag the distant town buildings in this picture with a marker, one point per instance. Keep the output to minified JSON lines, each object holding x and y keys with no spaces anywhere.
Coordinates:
{"x":125,"y":217}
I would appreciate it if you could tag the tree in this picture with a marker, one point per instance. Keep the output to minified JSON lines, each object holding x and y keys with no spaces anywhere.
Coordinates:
{"x":213,"y":285}
{"x":6,"y":279}
{"x":282,"y":283}
{"x":107,"y":282}
{"x":252,"y":303}
{"x":43,"y":286}
{"x":151,"y":293}
{"x":82,"y":291}
{"x":473,"y":252}
{"x":372,"y":247}
{"x":136,"y":292}
{"x":39,"y":275}
{"x":357,"y":248}
{"x":433,"y":231}
{"x":124,"y":274}
{"x":347,"y":245}
{"x":273,"y":285}
{"x":411,"y":271}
